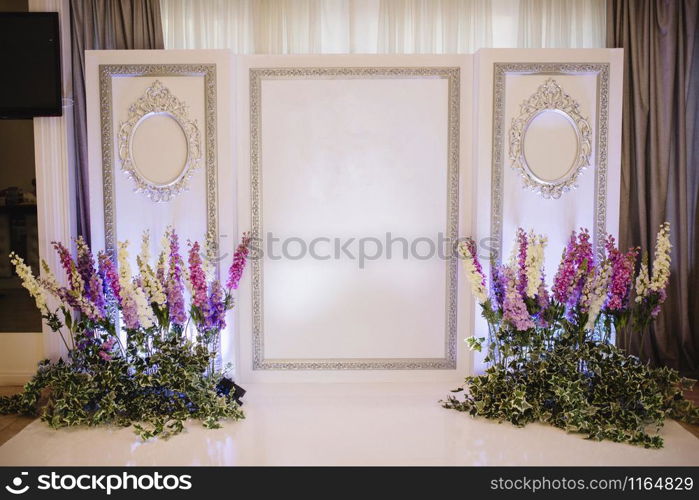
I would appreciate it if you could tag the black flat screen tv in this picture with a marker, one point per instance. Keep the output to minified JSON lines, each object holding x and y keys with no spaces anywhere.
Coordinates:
{"x":30,"y":58}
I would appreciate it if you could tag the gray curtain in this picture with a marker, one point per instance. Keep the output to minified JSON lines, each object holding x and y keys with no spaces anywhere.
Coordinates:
{"x":660,"y":158}
{"x":104,"y":24}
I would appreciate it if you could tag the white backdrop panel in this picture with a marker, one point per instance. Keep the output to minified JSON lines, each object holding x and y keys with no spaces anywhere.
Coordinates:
{"x":353,"y":159}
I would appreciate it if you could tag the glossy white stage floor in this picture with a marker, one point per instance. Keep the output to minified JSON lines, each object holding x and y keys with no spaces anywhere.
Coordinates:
{"x":343,"y":424}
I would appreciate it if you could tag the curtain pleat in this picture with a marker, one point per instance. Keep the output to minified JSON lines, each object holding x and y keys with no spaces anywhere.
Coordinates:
{"x":660,"y":161}
{"x":103,"y":24}
{"x":380,"y":26}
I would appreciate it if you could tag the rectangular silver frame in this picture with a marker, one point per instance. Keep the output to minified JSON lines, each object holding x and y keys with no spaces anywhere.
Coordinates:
{"x":500,"y":72}
{"x":106,"y":73}
{"x":452,"y":75}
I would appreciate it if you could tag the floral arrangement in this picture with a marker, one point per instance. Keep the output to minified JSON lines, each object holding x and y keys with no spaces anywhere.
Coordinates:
{"x":141,"y":348}
{"x":550,"y":351}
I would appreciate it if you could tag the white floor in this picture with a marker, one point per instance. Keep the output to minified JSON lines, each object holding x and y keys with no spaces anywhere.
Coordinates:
{"x":349,"y":424}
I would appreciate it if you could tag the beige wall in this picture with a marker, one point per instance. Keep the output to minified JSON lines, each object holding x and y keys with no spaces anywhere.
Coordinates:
{"x":19,"y":355}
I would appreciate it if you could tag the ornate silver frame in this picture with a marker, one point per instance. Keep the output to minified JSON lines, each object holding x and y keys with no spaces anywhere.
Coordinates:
{"x":109,"y":71}
{"x":550,"y":97}
{"x":157,"y":100}
{"x":500,"y":72}
{"x":452,"y":75}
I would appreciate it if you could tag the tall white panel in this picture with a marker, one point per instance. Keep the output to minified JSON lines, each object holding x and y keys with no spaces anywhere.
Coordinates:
{"x":589,"y":83}
{"x":352,"y":150}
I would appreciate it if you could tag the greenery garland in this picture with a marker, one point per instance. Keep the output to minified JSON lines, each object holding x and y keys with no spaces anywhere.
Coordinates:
{"x":156,"y":395}
{"x":614,"y":397}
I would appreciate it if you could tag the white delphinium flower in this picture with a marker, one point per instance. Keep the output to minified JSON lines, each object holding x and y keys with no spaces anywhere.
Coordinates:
{"x":150,"y":284}
{"x":642,"y":282}
{"x":534,"y":262}
{"x":124,"y":266}
{"x":48,"y":279}
{"x":144,"y":255}
{"x":30,"y":282}
{"x":143,"y":308}
{"x":661,"y":261}
{"x":131,"y":290}
{"x":598,"y":293}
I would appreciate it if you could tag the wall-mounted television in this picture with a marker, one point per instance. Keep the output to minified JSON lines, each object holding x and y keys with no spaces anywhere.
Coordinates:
{"x":30,"y":58}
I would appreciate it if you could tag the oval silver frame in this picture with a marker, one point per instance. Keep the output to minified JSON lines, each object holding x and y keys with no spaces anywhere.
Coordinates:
{"x":550,"y":97}
{"x":158,"y":100}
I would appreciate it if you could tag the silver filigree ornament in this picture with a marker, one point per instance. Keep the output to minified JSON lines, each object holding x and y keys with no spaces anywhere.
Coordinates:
{"x":157,"y":100}
{"x":550,"y":97}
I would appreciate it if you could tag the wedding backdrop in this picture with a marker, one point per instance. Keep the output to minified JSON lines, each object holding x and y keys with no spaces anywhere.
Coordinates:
{"x":409,"y":148}
{"x":349,"y":207}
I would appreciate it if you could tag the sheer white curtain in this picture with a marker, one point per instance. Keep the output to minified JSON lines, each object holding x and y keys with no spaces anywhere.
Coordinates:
{"x":381,"y":26}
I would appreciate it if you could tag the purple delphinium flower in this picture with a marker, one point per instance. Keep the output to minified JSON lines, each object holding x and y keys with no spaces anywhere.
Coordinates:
{"x":110,"y":278}
{"x":197,"y":277}
{"x":106,"y":348}
{"x":542,"y":295}
{"x":515,"y":310}
{"x":129,"y":312}
{"x":522,"y":262}
{"x":621,"y":279}
{"x":215,"y":310}
{"x":92,"y":283}
{"x":662,"y":295}
{"x":473,"y":252}
{"x":543,"y":301}
{"x":235,"y":272}
{"x":498,"y":280}
{"x":174,"y":289}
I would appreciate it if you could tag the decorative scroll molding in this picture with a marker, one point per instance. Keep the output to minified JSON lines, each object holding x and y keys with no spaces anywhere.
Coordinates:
{"x":157,"y":100}
{"x":501,"y":70}
{"x":452,"y":75}
{"x":107,"y":72}
{"x":550,"y":97}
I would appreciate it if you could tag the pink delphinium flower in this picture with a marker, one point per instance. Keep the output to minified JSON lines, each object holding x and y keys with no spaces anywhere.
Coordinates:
{"x":235,"y":272}
{"x":566,"y":272}
{"x":69,"y":266}
{"x":577,"y":264}
{"x":197,"y":277}
{"x":621,"y":275}
{"x":515,"y":310}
